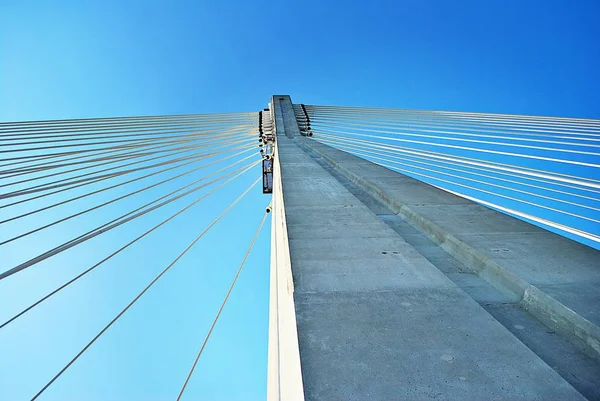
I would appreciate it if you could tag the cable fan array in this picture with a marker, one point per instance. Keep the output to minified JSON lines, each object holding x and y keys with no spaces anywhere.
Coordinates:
{"x":112,"y":171}
{"x":541,"y":169}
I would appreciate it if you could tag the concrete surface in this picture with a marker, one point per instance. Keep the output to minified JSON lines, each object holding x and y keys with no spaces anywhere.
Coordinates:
{"x":554,"y":278}
{"x":377,"y":320}
{"x":581,"y":371}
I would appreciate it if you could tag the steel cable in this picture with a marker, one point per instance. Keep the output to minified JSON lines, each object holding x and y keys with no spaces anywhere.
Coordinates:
{"x":102,"y":229}
{"x":93,"y":267}
{"x":37,"y":229}
{"x":143,"y":291}
{"x":214,"y":322}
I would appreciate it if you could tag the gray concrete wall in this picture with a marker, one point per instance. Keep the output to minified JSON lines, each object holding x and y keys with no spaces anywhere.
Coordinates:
{"x":554,"y":278}
{"x":376,"y":319}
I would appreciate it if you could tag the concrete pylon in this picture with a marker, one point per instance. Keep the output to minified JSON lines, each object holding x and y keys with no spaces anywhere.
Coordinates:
{"x":367,"y":304}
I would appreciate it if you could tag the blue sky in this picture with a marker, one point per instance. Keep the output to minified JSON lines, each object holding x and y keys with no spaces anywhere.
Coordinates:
{"x":118,"y":58}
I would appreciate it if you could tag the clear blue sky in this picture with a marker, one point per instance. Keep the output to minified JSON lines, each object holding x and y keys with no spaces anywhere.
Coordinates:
{"x":73,"y":59}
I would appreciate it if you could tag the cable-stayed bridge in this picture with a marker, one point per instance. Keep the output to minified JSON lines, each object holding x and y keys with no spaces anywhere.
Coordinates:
{"x":414,"y":254}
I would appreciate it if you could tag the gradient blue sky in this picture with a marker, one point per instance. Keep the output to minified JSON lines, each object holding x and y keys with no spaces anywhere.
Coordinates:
{"x":74,"y":59}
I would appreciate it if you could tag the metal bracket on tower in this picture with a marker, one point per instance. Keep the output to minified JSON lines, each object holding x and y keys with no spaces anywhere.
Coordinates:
{"x":266,"y":138}
{"x":303,"y":120}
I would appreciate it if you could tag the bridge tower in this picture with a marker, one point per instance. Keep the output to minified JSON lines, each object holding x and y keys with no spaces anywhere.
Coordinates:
{"x":387,"y":288}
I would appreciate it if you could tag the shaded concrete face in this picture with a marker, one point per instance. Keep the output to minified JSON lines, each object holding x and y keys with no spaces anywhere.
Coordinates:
{"x":414,"y":344}
{"x":554,"y":278}
{"x":376,"y":320}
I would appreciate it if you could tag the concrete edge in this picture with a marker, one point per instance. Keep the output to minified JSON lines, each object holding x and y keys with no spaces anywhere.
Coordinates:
{"x":284,"y":373}
{"x":543,"y":307}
